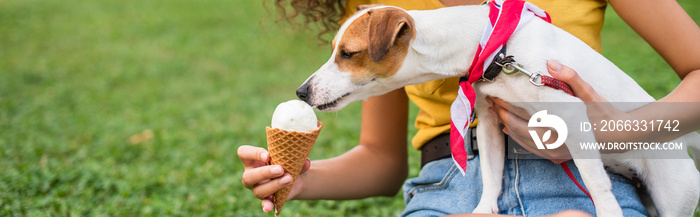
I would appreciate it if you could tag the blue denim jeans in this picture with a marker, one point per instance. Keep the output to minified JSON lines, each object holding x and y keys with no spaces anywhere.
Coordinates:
{"x":530,"y":187}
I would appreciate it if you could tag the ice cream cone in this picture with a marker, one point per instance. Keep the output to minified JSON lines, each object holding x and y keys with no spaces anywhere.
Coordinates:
{"x":289,"y":149}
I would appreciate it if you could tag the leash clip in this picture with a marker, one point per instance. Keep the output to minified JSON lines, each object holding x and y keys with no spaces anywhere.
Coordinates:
{"x":513,"y":67}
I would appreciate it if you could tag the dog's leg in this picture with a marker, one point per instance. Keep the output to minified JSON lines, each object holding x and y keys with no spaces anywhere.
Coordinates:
{"x":591,"y":167}
{"x":673,"y":184}
{"x":596,"y":180}
{"x":598,"y":183}
{"x":491,"y":145}
{"x":588,"y":162}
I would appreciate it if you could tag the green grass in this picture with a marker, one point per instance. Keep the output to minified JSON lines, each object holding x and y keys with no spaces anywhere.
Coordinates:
{"x":136,"y":108}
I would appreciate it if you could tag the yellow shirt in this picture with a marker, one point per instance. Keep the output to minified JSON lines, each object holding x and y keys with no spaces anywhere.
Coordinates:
{"x":582,"y":18}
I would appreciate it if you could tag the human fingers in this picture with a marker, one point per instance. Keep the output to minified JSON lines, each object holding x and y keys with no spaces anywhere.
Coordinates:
{"x":557,"y":155}
{"x":520,"y":112}
{"x":517,"y":129}
{"x":581,"y":88}
{"x":263,"y":190}
{"x":254,"y":176}
{"x":506,"y":117}
{"x":267,"y":204}
{"x":253,"y":156}
{"x":307,"y":165}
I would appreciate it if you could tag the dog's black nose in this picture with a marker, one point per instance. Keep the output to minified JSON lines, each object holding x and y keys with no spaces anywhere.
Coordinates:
{"x":303,"y":92}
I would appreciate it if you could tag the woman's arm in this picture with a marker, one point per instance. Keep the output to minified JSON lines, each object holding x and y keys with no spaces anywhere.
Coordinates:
{"x":378,"y":166}
{"x":676,"y":37}
{"x":668,"y":29}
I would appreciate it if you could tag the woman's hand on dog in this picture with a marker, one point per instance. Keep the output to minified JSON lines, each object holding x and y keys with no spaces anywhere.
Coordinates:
{"x":263,"y":179}
{"x":597,"y":107}
{"x":515,"y":119}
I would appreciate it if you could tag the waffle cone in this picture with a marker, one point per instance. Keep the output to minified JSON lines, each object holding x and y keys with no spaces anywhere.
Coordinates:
{"x":289,"y":149}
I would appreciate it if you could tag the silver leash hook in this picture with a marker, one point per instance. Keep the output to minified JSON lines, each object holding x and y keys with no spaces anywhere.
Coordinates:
{"x":510,"y":67}
{"x":535,"y":78}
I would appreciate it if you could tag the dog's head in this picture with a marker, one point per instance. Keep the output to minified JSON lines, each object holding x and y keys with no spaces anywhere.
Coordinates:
{"x":368,"y":52}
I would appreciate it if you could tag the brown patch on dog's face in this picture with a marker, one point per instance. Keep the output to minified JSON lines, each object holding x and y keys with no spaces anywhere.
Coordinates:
{"x":368,"y":53}
{"x":375,"y":45}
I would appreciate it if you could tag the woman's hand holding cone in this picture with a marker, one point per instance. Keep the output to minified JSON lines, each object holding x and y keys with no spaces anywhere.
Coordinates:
{"x":263,"y":179}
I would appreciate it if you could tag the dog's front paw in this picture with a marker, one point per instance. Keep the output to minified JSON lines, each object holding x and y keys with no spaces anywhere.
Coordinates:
{"x":606,"y":211}
{"x":485,"y":207}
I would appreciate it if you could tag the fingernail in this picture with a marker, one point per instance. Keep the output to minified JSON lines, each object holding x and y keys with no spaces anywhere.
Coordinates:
{"x":263,"y":156}
{"x":276,"y":170}
{"x":554,"y":65}
{"x":286,"y":179}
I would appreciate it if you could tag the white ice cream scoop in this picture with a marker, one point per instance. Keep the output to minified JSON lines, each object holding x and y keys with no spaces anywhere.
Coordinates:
{"x":294,"y":115}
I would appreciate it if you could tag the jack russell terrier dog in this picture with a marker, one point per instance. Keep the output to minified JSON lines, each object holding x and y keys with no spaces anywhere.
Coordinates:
{"x":383,"y":48}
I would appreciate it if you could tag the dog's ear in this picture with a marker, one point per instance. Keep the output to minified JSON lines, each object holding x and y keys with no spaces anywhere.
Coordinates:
{"x":388,"y":27}
{"x":365,"y":6}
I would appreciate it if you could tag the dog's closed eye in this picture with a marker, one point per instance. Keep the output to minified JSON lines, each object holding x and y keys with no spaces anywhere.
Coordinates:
{"x":347,"y":55}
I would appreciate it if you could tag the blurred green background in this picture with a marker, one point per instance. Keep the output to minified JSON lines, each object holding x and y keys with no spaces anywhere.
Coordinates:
{"x":136,"y":108}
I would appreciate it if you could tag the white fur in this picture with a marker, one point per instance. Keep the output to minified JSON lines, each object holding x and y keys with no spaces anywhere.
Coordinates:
{"x":445,"y":44}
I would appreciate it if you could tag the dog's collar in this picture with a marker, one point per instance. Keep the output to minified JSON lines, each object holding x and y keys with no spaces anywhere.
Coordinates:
{"x":494,"y":68}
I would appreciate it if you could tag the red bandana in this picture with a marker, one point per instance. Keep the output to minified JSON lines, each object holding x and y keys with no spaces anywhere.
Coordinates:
{"x":505,"y":17}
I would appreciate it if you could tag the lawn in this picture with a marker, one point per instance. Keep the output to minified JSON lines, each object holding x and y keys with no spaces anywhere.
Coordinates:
{"x":136,"y":108}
